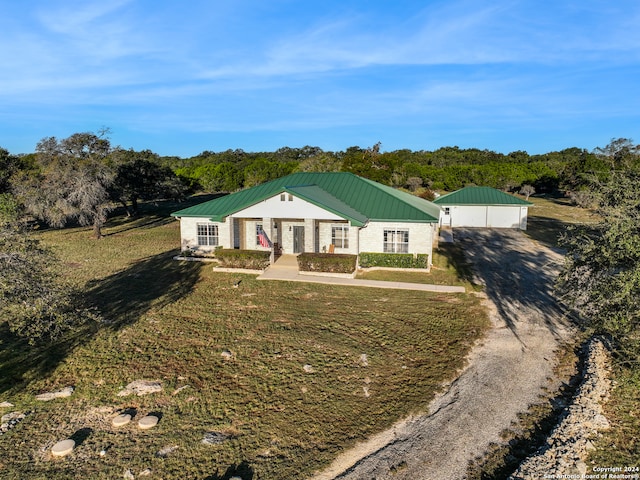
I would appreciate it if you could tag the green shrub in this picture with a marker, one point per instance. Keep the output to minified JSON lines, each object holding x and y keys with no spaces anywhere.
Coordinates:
{"x":249,"y":259}
{"x":394,"y":260}
{"x":422,"y":261}
{"x":327,"y":262}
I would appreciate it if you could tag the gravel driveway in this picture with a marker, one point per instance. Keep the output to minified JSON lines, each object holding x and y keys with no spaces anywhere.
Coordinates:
{"x":505,"y":374}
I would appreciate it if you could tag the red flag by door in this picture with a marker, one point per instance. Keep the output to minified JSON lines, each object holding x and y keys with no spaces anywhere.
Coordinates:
{"x":264,"y":241}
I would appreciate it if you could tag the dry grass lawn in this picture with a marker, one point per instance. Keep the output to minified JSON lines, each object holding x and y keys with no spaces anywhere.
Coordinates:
{"x":290,"y":374}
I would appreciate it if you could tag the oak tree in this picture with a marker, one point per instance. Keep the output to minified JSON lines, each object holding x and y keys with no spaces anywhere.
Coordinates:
{"x":72,"y":181}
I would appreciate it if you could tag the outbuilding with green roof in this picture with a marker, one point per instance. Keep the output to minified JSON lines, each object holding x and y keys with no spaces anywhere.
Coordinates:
{"x":313,"y":212}
{"x":483,"y":207}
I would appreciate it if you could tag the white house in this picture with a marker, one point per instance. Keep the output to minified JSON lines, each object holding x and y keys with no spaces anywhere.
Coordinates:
{"x":313,"y":212}
{"x":483,"y":207}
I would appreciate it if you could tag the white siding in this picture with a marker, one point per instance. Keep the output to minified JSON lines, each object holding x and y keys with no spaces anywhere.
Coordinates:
{"x":295,"y":208}
{"x":487,"y":216}
{"x":189,"y":234}
{"x":421,"y":236}
{"x":324,"y":232}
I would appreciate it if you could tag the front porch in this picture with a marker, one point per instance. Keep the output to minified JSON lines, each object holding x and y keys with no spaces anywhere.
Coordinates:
{"x":294,"y":236}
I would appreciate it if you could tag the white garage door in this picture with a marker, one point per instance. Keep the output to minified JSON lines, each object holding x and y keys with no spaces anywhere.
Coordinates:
{"x":503,"y":217}
{"x":469,"y":216}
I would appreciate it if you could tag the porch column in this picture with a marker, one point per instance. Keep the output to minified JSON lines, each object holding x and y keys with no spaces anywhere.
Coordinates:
{"x":309,"y":235}
{"x":267,"y":227}
{"x":230,"y":226}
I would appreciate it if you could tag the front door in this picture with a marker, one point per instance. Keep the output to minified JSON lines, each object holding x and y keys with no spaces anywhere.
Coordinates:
{"x":298,"y":239}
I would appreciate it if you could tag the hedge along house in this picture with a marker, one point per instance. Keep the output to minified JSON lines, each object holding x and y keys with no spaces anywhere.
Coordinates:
{"x":483,"y":207}
{"x":313,"y":212}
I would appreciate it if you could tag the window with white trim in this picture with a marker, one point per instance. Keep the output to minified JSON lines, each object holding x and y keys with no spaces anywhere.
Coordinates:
{"x":340,"y":236}
{"x":396,"y":241}
{"x":207,"y":234}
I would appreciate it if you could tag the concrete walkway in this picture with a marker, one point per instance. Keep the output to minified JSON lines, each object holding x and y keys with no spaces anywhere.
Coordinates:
{"x":286,"y":268}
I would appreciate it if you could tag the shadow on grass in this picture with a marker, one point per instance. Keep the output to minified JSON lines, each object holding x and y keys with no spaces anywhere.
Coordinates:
{"x":151,"y":282}
{"x":123,"y":224}
{"x":243,"y":470}
{"x":22,"y":363}
{"x":81,"y":435}
{"x":546,"y":230}
{"x":456,"y":260}
{"x":121,"y":298}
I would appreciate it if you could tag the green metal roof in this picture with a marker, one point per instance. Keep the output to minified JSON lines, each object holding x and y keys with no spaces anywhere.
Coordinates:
{"x":353,"y":198}
{"x":479,"y":196}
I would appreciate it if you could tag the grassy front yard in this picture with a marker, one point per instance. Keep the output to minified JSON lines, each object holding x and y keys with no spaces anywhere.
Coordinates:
{"x":290,"y":374}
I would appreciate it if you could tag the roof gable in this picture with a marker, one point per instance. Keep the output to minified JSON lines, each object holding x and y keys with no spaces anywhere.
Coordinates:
{"x":479,"y":196}
{"x":351,"y":197}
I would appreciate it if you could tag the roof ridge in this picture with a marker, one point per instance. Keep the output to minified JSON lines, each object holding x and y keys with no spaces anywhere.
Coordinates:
{"x":397,"y":194}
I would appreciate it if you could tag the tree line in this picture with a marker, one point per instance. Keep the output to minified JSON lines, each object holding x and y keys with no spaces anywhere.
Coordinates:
{"x":445,"y":169}
{"x":81,"y":178}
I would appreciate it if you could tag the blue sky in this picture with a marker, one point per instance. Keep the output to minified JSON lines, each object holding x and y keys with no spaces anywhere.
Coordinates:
{"x":179,"y":78}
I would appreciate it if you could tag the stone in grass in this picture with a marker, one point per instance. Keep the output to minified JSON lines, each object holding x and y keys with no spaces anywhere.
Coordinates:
{"x":141,"y":387}
{"x":6,"y":405}
{"x":121,"y":420}
{"x":226,"y":355}
{"x":215,"y":438}
{"x":65,"y":392}
{"x":167,"y":450}
{"x":65,"y":447}
{"x":148,"y":422}
{"x":364,"y":360}
{"x":308,"y":369}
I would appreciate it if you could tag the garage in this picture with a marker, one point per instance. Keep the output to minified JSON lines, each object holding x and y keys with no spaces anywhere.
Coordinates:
{"x":482,"y":207}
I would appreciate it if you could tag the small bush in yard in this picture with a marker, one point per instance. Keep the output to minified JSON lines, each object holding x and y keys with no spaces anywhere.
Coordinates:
{"x":327,"y":262}
{"x":394,"y":260}
{"x":249,"y":259}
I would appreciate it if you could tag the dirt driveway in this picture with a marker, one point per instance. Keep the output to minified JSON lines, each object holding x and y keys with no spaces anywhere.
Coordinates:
{"x":505,"y":373}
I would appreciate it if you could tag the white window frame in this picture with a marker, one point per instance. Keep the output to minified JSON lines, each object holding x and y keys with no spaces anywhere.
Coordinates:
{"x":395,"y":240}
{"x":207,"y":234}
{"x":341,"y":241}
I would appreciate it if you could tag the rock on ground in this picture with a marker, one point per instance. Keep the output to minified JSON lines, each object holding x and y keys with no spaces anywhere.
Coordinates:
{"x":141,"y":387}
{"x":569,"y":444}
{"x":65,"y":392}
{"x":10,"y":420}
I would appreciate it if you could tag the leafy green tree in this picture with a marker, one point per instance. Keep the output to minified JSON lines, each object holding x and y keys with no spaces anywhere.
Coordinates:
{"x":322,"y":162}
{"x":370,"y":163}
{"x":601,"y":276}
{"x":620,"y":154}
{"x":262,"y":170}
{"x":9,"y":164}
{"x":138,"y":176}
{"x":32,"y":300}
{"x":72,"y":181}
